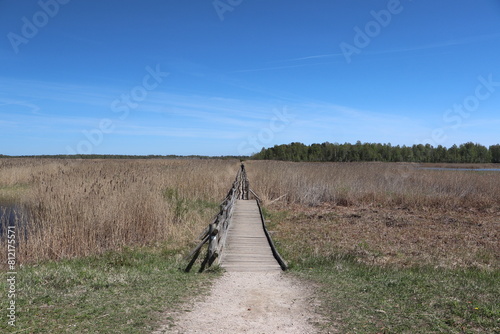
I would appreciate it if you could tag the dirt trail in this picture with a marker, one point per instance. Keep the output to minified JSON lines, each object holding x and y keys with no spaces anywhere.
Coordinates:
{"x":250,"y":302}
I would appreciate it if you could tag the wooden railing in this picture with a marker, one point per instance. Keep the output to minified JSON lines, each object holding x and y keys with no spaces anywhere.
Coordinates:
{"x":276,"y":254}
{"x":216,"y":232}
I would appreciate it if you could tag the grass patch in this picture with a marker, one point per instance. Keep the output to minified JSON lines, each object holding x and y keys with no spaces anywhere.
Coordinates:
{"x":358,"y":298}
{"x":182,"y":206}
{"x":10,"y":193}
{"x":124,"y":291}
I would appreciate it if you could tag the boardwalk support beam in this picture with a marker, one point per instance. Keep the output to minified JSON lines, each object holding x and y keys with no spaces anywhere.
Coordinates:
{"x":276,"y":254}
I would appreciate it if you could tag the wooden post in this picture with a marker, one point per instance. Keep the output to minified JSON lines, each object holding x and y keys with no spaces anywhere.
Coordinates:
{"x":190,"y":265}
{"x":203,"y":264}
{"x":211,"y":240}
{"x":215,"y":234}
{"x":195,"y":253}
{"x":211,"y":244}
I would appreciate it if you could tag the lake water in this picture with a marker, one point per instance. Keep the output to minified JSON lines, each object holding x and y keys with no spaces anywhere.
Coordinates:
{"x":12,"y":215}
{"x":463,"y":169}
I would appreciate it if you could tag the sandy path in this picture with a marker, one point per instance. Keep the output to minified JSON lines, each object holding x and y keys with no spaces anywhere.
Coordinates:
{"x":250,"y":302}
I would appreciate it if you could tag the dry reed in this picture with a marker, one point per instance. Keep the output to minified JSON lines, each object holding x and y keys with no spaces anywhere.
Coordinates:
{"x":381,"y":184}
{"x":391,"y":213}
{"x":383,"y":213}
{"x":84,"y":207}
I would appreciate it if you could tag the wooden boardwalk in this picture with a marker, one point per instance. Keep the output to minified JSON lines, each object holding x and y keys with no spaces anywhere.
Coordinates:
{"x":237,"y":238}
{"x":247,"y":247}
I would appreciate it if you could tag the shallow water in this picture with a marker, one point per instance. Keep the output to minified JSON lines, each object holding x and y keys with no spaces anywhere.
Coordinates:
{"x":463,"y":169}
{"x":12,"y":215}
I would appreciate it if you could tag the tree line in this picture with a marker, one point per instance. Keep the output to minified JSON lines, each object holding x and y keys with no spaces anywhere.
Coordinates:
{"x":464,"y":153}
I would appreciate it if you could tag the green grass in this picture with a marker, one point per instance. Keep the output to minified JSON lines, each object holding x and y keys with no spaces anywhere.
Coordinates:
{"x":182,"y":206}
{"x":11,"y":193}
{"x":363,"y":298}
{"x":117,"y":292}
{"x":358,"y":298}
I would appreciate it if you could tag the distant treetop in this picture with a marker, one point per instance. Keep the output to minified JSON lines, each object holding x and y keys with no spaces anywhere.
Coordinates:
{"x":465,"y":153}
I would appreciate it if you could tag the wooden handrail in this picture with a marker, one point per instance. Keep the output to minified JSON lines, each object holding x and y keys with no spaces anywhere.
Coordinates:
{"x":276,"y":254}
{"x":216,"y":233}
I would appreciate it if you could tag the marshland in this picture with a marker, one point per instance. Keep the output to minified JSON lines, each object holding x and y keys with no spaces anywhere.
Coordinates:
{"x":378,"y":226}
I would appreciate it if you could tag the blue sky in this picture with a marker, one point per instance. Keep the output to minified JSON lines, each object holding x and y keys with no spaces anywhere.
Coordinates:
{"x":229,"y":77}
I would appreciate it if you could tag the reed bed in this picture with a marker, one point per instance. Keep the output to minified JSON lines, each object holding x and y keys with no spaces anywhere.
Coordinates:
{"x":381,"y":213}
{"x":78,"y":208}
{"x":381,"y":184}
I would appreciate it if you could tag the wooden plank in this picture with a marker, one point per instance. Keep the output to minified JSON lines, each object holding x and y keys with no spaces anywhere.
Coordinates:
{"x":238,"y":232}
{"x":247,"y":248}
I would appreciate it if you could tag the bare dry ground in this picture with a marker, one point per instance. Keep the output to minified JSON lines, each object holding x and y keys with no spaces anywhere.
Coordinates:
{"x":399,"y":236}
{"x":383,"y":214}
{"x":249,"y":302}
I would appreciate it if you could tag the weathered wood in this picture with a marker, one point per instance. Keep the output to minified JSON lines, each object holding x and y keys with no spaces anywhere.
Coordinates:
{"x":203,"y":234}
{"x":247,"y":247}
{"x":195,"y":256}
{"x":255,"y":195}
{"x":277,"y":199}
{"x":276,"y":254}
{"x":237,"y":236}
{"x":205,"y":231}
{"x":210,"y":247}
{"x":211,"y":260}
{"x":203,"y":264}
{"x":198,"y":247}
{"x":213,"y":241}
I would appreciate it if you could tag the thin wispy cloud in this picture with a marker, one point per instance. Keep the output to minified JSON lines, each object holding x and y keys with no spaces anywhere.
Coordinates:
{"x":320,"y":56}
{"x":437,"y":45}
{"x":19,"y":105}
{"x":275,"y":68}
{"x":197,"y":116}
{"x":176,"y":132}
{"x":481,"y":124}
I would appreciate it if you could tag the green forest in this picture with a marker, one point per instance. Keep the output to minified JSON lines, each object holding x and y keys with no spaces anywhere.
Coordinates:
{"x":464,"y":153}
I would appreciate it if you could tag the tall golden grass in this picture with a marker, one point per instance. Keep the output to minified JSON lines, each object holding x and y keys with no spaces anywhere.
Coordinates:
{"x":79,"y":208}
{"x":84,"y":207}
{"x":382,"y":213}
